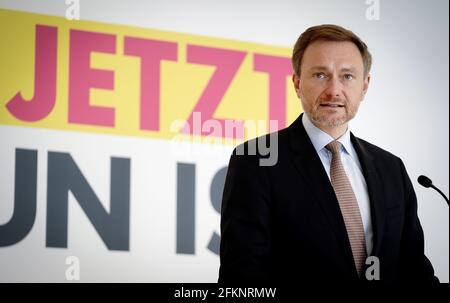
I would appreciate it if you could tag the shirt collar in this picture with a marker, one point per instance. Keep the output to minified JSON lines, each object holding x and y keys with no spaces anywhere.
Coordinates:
{"x":320,"y":139}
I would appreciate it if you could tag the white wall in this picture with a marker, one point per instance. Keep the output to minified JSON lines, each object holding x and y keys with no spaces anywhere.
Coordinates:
{"x":407,"y":108}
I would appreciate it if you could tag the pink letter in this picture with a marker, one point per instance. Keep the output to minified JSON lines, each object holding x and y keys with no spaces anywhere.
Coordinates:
{"x":44,"y":79}
{"x":227,"y":63}
{"x":151,"y":53}
{"x":82,"y":77}
{"x":278,"y":69}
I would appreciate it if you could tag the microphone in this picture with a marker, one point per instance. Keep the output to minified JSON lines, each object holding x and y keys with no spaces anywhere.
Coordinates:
{"x":426,"y":182}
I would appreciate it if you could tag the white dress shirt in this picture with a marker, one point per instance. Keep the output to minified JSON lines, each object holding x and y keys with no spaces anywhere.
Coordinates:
{"x":352,"y":168}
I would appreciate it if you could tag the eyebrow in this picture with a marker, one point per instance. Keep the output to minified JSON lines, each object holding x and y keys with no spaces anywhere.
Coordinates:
{"x":348,"y":69}
{"x":323,"y":68}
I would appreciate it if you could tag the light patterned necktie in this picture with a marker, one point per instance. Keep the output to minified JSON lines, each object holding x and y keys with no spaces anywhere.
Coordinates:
{"x":348,"y":205}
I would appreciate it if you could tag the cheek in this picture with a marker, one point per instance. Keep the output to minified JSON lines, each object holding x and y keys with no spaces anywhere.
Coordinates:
{"x":354,"y":95}
{"x":310,"y":92}
{"x":356,"y":90}
{"x":354,"y":105}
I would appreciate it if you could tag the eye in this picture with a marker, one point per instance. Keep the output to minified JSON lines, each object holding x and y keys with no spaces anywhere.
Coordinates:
{"x":348,"y":77}
{"x":319,"y":76}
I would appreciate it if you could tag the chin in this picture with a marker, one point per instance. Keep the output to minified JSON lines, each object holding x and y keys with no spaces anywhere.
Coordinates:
{"x":329,"y":122}
{"x":333,"y":123}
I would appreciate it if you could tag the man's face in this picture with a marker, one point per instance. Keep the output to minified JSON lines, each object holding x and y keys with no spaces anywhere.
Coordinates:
{"x":332,"y":83}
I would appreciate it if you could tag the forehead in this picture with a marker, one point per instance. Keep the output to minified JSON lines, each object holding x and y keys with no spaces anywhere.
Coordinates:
{"x":340,"y":54}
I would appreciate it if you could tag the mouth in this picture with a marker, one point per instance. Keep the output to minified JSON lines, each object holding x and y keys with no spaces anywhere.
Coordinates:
{"x":331,"y":105}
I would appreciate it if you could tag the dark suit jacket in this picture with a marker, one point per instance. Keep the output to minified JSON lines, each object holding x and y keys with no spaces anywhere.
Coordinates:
{"x":282,"y":223}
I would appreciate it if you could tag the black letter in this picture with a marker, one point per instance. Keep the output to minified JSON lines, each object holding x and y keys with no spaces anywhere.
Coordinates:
{"x":64,"y":175}
{"x":216,"y":193}
{"x":24,"y":199}
{"x":185,"y":208}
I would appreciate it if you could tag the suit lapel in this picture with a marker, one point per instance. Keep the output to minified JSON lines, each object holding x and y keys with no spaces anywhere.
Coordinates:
{"x":375,"y":189}
{"x":310,"y":167}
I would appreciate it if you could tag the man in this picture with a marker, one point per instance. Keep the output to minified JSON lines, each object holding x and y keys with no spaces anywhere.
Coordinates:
{"x":332,"y":199}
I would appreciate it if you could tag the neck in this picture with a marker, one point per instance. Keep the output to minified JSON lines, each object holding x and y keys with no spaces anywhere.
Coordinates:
{"x":335,"y":132}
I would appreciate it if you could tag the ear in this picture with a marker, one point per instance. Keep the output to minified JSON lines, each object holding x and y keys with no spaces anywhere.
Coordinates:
{"x":366,"y":84}
{"x":296,"y":81}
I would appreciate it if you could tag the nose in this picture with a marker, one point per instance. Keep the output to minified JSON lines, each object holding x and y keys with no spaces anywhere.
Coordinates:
{"x":333,"y":89}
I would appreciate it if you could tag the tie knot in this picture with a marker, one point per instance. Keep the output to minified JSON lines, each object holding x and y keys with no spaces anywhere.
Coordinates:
{"x":334,"y":147}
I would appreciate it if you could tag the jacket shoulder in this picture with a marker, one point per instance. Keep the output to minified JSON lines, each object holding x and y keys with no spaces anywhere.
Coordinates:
{"x":377,"y":151}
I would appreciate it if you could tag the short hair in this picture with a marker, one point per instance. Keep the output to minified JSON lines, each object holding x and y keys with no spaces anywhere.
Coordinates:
{"x":328,"y":32}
